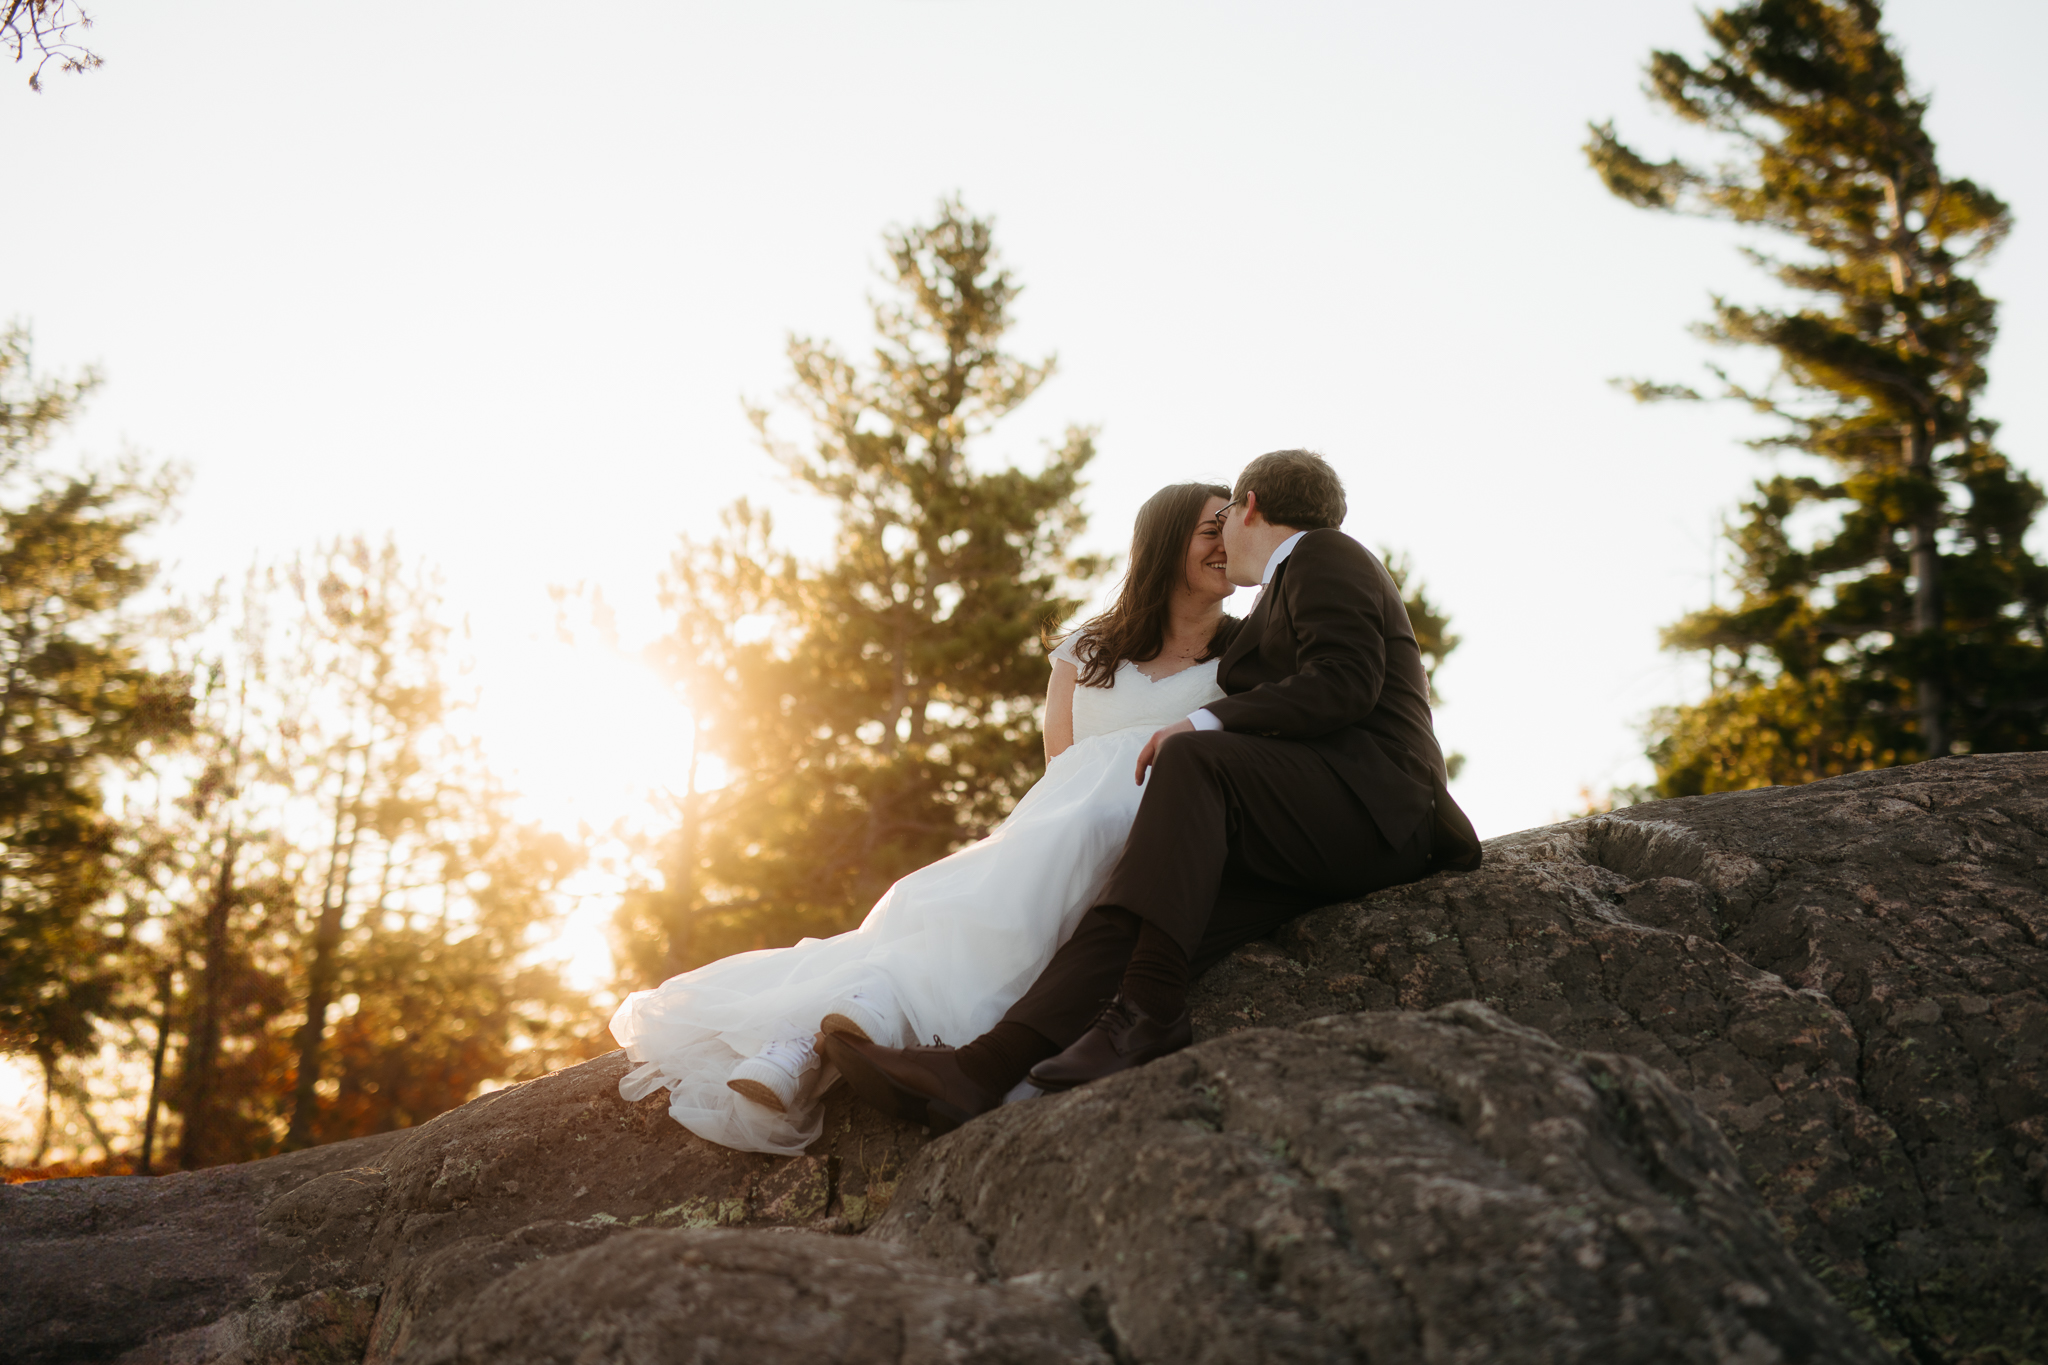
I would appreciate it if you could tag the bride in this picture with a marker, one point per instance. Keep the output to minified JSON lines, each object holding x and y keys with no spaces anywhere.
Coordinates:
{"x":951,"y":946}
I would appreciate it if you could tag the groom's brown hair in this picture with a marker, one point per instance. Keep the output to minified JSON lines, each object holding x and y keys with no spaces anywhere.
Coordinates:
{"x":1296,"y":488}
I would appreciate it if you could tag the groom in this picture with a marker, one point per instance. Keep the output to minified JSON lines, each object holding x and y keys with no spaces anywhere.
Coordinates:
{"x":1316,"y":779}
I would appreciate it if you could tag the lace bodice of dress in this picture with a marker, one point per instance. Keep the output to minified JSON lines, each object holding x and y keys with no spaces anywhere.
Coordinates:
{"x":1135,"y":699}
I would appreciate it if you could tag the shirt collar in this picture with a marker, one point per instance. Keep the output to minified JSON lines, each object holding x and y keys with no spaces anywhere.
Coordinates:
{"x":1280,"y":552}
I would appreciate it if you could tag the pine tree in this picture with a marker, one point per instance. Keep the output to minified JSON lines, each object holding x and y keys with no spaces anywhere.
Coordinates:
{"x":331,"y":847}
{"x":368,"y":655}
{"x":212,"y":869}
{"x":1888,"y":607}
{"x":1432,"y":627}
{"x":77,"y":701}
{"x":874,"y":709}
{"x":420,"y":894}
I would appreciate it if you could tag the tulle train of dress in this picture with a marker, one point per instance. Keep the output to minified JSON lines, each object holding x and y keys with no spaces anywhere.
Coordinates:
{"x":953,"y":944}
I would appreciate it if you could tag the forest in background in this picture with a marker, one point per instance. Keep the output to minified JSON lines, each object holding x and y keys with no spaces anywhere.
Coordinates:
{"x":260,"y":890}
{"x":263,"y":890}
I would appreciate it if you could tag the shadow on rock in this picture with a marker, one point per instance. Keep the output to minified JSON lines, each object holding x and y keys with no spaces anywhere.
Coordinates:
{"x":1850,"y":977}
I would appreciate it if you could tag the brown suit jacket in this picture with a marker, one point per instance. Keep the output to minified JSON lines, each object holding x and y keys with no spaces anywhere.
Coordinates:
{"x":1328,"y":659}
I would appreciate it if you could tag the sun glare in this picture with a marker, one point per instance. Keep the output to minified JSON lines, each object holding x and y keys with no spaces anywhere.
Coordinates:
{"x":591,"y":737}
{"x":586,"y":733}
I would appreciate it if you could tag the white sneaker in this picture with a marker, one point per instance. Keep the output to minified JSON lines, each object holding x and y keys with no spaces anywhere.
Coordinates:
{"x":772,"y":1076}
{"x":868,"y":1013}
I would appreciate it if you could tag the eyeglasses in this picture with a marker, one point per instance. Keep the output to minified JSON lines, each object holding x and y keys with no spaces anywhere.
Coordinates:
{"x":1224,"y":511}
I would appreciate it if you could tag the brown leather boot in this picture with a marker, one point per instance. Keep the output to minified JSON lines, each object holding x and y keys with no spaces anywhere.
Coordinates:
{"x":917,"y":1084}
{"x":1122,"y":1036}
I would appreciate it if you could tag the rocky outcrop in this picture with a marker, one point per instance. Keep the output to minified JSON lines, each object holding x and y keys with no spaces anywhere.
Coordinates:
{"x":335,"y":1253}
{"x":1386,"y":1188}
{"x":1850,"y":977}
{"x":1393,"y":1187}
{"x":648,"y":1295}
{"x":1843,"y":981}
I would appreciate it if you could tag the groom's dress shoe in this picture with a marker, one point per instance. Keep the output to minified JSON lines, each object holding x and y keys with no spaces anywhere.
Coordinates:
{"x":1122,"y":1036}
{"x":917,"y":1084}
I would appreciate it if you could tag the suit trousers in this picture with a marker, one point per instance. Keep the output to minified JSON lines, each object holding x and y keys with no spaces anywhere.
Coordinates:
{"x":1236,"y":835}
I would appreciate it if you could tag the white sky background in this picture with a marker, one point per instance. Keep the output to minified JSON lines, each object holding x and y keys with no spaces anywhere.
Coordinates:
{"x":496,"y":282}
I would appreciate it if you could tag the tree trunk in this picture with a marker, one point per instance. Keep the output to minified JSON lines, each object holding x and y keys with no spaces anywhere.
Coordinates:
{"x":156,"y":1072}
{"x":204,"y":1047}
{"x":892,"y":743}
{"x":682,"y":890}
{"x":1927,"y":613}
{"x":313,"y":1034}
{"x":21,"y":644}
{"x":321,"y":973}
{"x":43,"y":1133}
{"x":899,"y":688}
{"x":76,"y":1092}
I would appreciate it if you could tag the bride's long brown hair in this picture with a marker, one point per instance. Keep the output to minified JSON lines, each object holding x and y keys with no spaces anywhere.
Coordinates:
{"x":1135,"y":626}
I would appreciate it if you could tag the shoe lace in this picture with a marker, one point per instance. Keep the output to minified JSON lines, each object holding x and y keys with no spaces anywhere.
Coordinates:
{"x":787,"y":1052}
{"x":1117,"y":1014}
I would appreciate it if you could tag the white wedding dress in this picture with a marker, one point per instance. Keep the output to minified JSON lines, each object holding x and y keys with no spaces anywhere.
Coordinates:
{"x":952,"y":945}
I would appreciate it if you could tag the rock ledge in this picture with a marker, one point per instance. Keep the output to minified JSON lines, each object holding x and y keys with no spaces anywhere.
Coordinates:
{"x":1752,"y":1077}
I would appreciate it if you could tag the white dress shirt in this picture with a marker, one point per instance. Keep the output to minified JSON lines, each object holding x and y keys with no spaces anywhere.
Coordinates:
{"x":1205,"y":719}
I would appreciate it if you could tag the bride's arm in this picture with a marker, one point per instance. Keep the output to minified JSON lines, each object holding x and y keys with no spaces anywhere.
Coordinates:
{"x":1059,"y":709}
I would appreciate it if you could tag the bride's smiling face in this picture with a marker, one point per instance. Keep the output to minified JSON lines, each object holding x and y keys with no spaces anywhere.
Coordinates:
{"x":1205,"y":559}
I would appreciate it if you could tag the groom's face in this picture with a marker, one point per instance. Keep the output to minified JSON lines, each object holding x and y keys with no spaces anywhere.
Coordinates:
{"x":1238,"y":548}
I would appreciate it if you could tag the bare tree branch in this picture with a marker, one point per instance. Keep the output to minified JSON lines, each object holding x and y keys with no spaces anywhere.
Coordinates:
{"x":44,"y":31}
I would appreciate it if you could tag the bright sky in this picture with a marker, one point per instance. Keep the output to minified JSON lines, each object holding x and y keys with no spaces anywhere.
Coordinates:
{"x":497,"y":283}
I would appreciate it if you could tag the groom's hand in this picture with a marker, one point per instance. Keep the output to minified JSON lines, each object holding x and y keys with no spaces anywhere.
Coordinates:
{"x":1159,"y":737}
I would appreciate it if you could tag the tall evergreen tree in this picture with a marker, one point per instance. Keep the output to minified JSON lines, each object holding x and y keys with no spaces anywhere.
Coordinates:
{"x":77,"y":700}
{"x":213,"y":870}
{"x":330,"y":848}
{"x":369,"y":652}
{"x":874,"y":708}
{"x":420,"y":895}
{"x":1888,"y":607}
{"x":1432,"y":627}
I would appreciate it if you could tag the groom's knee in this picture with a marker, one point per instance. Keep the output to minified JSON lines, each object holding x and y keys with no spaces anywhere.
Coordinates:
{"x":1189,"y":751}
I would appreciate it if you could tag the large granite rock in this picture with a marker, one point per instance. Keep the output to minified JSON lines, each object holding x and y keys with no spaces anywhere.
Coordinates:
{"x":1394,"y":1187}
{"x":1847,"y":978}
{"x":657,"y":1296}
{"x":1381,"y":1187}
{"x":335,"y":1253}
{"x":1850,"y":977}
